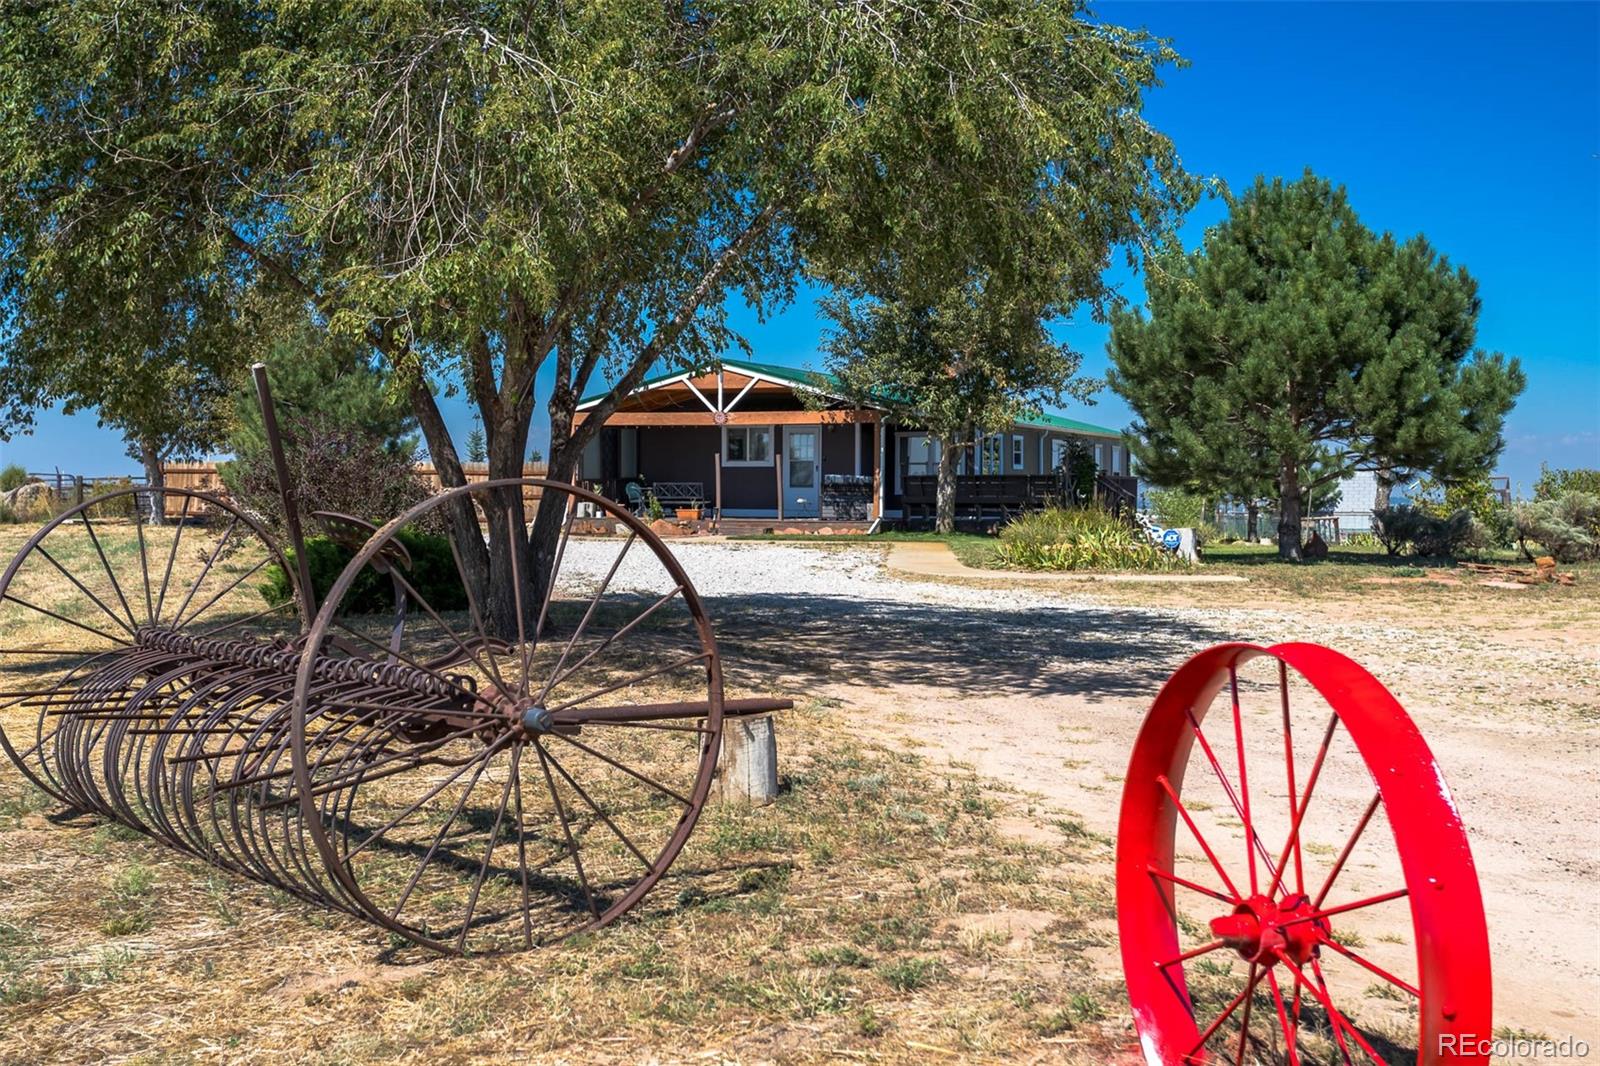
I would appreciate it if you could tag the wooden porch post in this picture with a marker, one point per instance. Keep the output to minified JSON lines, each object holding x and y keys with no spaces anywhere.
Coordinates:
{"x":777,"y":467}
{"x":881,"y":433}
{"x":716,"y":462}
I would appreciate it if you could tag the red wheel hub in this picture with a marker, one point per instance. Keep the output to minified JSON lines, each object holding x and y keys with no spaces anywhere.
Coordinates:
{"x":1267,"y":932}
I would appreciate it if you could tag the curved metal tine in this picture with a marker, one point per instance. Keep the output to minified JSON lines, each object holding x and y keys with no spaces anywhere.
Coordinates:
{"x":614,"y":637}
{"x":172,"y":557}
{"x":488,"y":852}
{"x":566,"y":829}
{"x":489,"y":669}
{"x":42,"y":550}
{"x":216,"y":553}
{"x":602,"y":815}
{"x":444,"y":830}
{"x":94,"y":539}
{"x":594,"y":604}
{"x":475,"y":697}
{"x":646,"y":675}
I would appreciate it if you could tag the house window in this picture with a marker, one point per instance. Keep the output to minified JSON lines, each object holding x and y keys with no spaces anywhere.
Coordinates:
{"x":991,"y":454}
{"x":1016,"y":452}
{"x":1058,"y":453}
{"x":919,"y":457}
{"x":747,"y":445}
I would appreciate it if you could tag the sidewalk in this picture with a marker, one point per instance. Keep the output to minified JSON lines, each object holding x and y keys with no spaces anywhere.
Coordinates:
{"x":932,"y":559}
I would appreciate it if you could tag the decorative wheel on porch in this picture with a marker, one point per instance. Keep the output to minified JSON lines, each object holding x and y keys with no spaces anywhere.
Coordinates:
{"x":1320,"y":902}
{"x":486,"y":776}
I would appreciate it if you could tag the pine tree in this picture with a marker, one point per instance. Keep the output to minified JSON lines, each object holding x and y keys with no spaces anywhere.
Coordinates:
{"x":477,"y":447}
{"x":1296,"y":346}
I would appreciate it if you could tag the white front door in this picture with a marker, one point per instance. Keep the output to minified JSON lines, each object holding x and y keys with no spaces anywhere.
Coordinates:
{"x":802,"y":474}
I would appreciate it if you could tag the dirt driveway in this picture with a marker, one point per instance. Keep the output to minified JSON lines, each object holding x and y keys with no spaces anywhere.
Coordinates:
{"x":1043,"y":687}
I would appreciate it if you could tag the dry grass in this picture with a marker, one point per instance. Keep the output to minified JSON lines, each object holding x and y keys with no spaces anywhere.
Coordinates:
{"x":863,"y":915}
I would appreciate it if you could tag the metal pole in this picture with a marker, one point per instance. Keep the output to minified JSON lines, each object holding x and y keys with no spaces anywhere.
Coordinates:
{"x":280,"y":465}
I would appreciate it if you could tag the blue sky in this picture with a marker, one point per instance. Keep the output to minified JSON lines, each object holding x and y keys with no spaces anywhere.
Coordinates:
{"x":1476,"y":124}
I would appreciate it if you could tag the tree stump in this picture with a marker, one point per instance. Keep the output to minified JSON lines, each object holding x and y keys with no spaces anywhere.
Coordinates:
{"x":747,"y":769}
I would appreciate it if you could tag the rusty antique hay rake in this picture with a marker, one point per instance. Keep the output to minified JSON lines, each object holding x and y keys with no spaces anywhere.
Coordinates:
{"x":389,"y":754}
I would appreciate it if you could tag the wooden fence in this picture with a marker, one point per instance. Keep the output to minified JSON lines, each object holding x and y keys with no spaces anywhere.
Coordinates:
{"x":72,"y":489}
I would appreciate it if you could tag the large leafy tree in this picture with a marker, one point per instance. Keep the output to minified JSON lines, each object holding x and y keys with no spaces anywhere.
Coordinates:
{"x":973,"y":359}
{"x":1296,"y":346}
{"x":481,"y":191}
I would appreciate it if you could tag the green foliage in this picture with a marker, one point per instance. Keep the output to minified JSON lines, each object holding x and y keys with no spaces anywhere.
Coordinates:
{"x":1296,"y":345}
{"x":433,"y":574}
{"x":477,"y":447}
{"x":318,"y":376}
{"x":1079,"y":538}
{"x":1554,"y":483}
{"x":13,"y":477}
{"x":1566,"y":526}
{"x":1081,"y":471}
{"x":1423,"y":532}
{"x":1175,"y":508}
{"x":652,"y":507}
{"x":1491,"y":519}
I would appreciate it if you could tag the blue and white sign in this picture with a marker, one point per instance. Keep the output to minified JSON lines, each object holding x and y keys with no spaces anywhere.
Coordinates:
{"x":1170,"y":539}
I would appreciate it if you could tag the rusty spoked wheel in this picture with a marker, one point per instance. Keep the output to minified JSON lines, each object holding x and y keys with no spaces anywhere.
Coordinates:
{"x":479,"y":777}
{"x":101,"y":613}
{"x":1293,"y":880}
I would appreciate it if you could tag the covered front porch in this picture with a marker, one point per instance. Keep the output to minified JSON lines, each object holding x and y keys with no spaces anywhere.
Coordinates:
{"x":738,"y":447}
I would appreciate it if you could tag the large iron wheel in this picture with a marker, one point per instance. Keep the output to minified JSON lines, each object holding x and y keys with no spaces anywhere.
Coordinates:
{"x":1282,"y":923}
{"x":477,"y":788}
{"x":99,"y":614}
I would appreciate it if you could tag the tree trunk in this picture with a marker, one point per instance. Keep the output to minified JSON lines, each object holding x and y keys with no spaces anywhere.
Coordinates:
{"x":945,"y":497}
{"x":1289,"y":511}
{"x":1252,"y":521}
{"x":155,"y":477}
{"x":465,"y":534}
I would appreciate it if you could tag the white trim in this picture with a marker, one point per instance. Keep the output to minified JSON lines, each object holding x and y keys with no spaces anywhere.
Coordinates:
{"x":740,"y":395}
{"x":703,"y":398}
{"x":1019,"y":452}
{"x":753,"y":375}
{"x":772,"y":446}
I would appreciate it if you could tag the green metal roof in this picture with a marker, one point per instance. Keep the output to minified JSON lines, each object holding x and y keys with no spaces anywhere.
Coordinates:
{"x":814,"y":379}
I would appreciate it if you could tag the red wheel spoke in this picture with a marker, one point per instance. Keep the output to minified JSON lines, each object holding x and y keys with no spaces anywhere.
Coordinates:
{"x":1193,"y":953}
{"x":1372,"y":967}
{"x":1288,"y":762}
{"x":1336,"y":1020}
{"x":1227,"y":787}
{"x":1227,"y":1012}
{"x":584,"y":795}
{"x":63,"y":618}
{"x":1244,"y":1023}
{"x":1289,"y":1031}
{"x":1194,"y":830}
{"x":95,"y":540}
{"x":1349,"y":846}
{"x":1244,"y":794}
{"x":1186,"y":883}
{"x":1305,"y":802}
{"x":1370,"y":901}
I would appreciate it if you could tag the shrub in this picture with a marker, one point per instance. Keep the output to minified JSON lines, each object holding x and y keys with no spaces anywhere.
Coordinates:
{"x":433,"y":574}
{"x":12,"y":477}
{"x":1175,"y":508}
{"x":1079,"y":538}
{"x":1425,"y":534}
{"x":1553,"y":484}
{"x":1568,"y":527}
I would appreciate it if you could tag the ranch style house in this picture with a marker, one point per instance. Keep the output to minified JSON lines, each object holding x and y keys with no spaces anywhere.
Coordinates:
{"x":748,"y":440}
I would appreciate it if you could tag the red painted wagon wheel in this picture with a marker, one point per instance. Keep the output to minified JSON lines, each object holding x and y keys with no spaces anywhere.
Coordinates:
{"x":1277,"y":924}
{"x":478,"y":785}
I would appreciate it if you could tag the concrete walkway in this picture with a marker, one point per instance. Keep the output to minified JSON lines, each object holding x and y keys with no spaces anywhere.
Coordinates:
{"x":933,"y":559}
